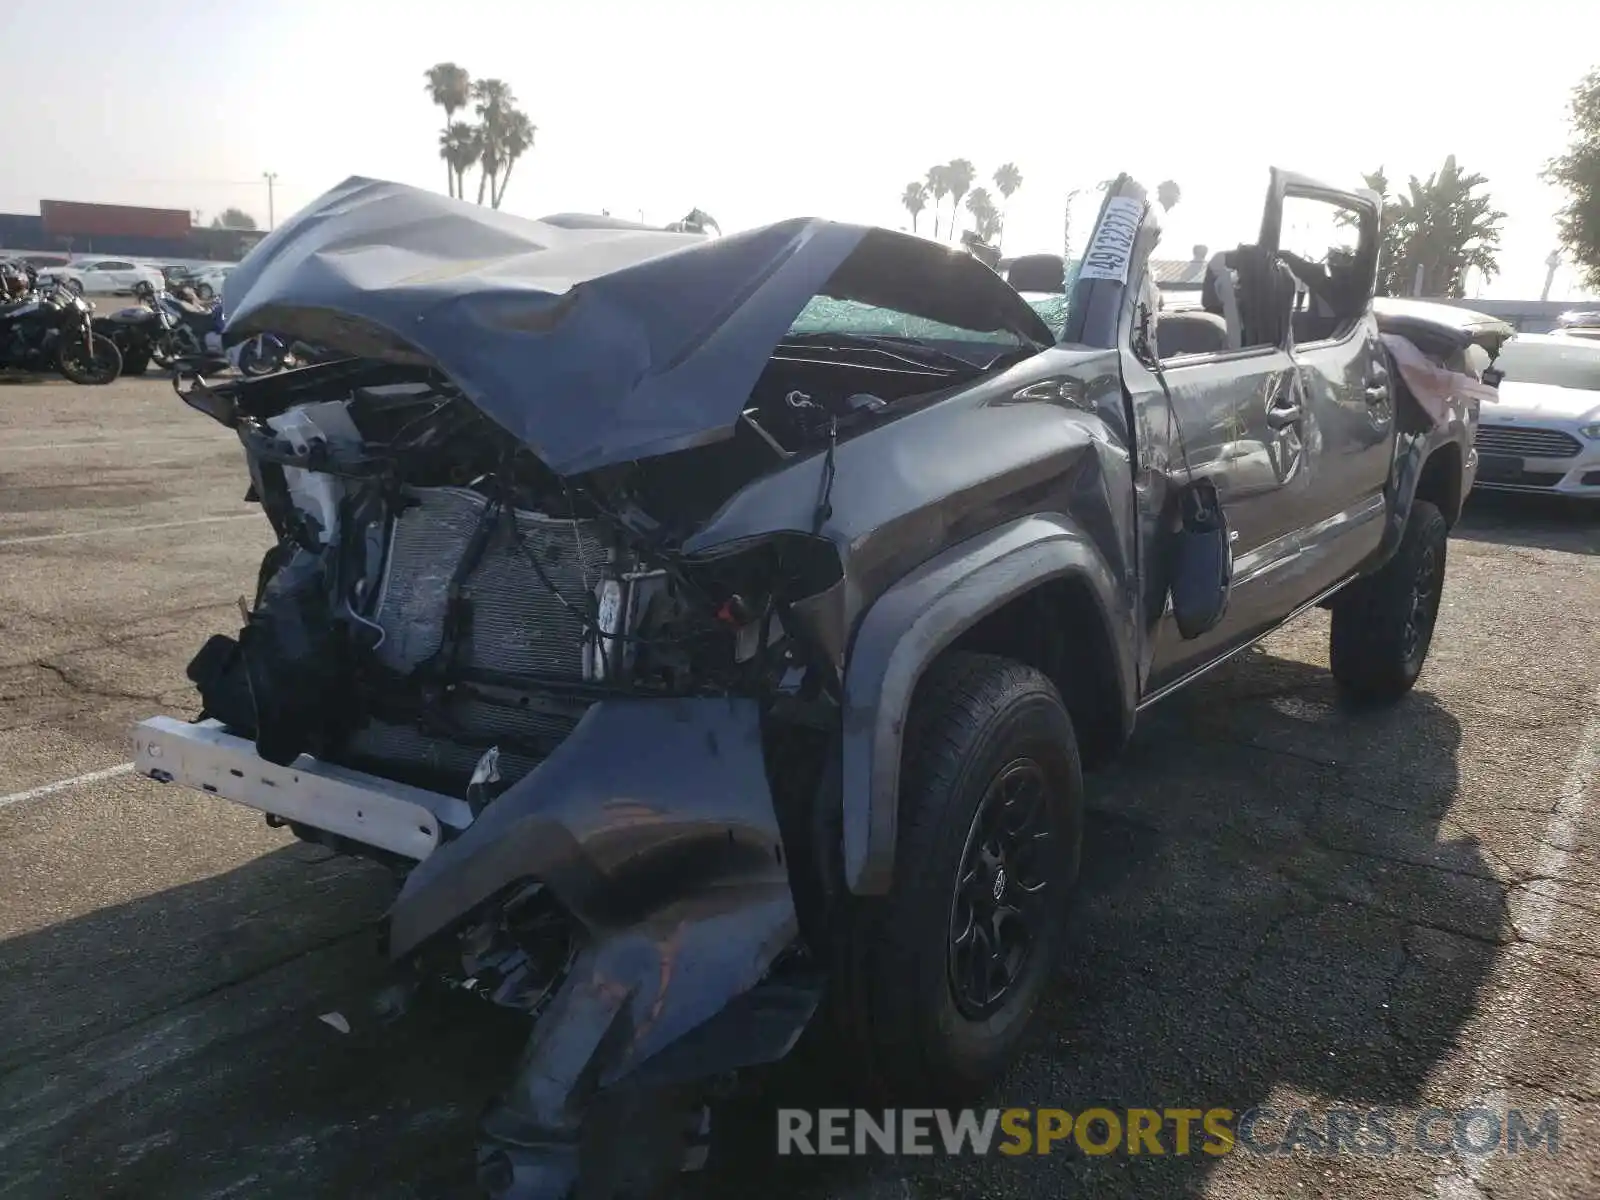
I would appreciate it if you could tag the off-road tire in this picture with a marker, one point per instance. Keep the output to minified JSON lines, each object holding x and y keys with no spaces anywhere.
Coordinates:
{"x":893,"y":1004}
{"x":1373,"y":656}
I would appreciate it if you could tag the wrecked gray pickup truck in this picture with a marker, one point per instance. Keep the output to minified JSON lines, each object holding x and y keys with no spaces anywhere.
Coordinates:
{"x":714,"y":631}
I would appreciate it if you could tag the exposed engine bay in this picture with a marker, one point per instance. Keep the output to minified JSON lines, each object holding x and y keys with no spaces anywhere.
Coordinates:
{"x":438,"y":594}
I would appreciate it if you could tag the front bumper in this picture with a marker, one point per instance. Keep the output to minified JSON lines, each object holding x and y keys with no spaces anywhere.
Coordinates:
{"x":1573,"y":475}
{"x":653,"y":826}
{"x":373,"y":812}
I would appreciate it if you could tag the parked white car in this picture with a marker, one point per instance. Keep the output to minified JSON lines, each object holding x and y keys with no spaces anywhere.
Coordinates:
{"x":208,"y":281}
{"x":105,"y":276}
{"x":1544,"y":434}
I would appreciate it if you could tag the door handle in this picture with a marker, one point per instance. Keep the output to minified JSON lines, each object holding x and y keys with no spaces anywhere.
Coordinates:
{"x":1282,"y":415}
{"x":1377,"y":393}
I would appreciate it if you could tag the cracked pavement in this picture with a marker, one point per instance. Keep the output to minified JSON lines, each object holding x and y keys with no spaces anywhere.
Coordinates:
{"x":1286,"y":903}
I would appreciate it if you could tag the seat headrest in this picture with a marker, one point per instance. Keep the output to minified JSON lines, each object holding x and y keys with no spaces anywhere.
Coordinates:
{"x":1038,"y":273}
{"x":1190,"y":333}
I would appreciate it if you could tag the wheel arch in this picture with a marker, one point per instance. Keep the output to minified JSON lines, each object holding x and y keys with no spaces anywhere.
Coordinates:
{"x":1440,"y":481}
{"x":971,"y":597}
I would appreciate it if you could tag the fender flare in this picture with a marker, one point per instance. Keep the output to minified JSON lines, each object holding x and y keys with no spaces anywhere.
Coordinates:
{"x":1412,"y":456}
{"x":917,"y":619}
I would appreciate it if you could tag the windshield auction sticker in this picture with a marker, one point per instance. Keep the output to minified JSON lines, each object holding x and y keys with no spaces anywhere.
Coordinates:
{"x":1112,"y":250}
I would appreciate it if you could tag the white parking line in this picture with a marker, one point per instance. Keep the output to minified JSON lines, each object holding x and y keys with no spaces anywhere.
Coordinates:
{"x":1531,"y":911}
{"x":61,"y":785}
{"x":118,"y":443}
{"x":83,"y":533}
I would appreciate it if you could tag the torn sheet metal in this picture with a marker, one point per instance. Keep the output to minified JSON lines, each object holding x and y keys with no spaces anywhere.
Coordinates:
{"x":591,"y":345}
{"x":1440,"y":391}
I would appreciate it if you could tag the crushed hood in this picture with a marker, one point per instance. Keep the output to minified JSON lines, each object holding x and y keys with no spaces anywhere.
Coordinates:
{"x":590,"y":344}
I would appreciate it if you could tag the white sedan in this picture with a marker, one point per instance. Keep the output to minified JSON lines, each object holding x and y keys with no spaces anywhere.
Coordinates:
{"x":1544,"y":434}
{"x":105,"y":276}
{"x":209,"y":280}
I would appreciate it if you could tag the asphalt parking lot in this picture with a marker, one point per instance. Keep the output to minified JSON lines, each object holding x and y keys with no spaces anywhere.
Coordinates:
{"x":1286,"y":903}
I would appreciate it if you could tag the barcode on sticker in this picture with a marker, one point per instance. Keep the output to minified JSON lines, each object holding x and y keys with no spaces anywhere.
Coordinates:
{"x":1112,"y":250}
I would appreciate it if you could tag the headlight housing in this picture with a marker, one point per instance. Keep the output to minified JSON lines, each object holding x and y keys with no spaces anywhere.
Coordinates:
{"x":1591,"y":431}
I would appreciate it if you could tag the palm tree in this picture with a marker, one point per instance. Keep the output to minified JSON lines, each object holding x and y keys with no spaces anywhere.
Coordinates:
{"x":450,"y":87}
{"x":460,"y":146}
{"x":985,"y":216}
{"x":939,"y":186}
{"x":1168,"y":193}
{"x":959,"y":174}
{"x":1436,"y":233}
{"x":494,"y":101}
{"x":915,"y":199}
{"x":1008,"y":179}
{"x":516,"y":139}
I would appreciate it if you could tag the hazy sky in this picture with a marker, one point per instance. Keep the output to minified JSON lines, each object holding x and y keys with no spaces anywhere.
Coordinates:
{"x":759,"y":111}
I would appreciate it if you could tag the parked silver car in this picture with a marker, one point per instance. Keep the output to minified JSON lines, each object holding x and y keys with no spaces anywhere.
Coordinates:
{"x":1544,"y":435}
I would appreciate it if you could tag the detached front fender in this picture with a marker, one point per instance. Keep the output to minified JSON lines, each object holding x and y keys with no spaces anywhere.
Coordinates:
{"x":922,"y":615}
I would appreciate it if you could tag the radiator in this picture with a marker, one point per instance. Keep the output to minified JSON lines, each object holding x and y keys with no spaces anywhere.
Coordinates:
{"x":517,"y":626}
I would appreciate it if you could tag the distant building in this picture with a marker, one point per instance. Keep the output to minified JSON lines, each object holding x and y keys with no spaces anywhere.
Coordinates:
{"x":1181,"y":273}
{"x":69,"y":227}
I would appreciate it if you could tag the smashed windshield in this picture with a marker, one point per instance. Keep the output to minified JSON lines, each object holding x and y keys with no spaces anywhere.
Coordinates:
{"x":825,"y":314}
{"x":1052,"y":310}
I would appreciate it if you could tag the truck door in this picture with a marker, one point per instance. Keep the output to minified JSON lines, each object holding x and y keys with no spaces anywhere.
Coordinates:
{"x":1329,"y":240}
{"x":1232,"y":395}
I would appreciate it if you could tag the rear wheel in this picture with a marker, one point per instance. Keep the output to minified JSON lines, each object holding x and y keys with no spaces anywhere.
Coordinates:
{"x":1383,"y":624}
{"x":944,"y":973}
{"x":91,"y":362}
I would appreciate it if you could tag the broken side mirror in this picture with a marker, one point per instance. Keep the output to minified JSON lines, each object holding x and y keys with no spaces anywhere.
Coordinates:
{"x":1202,"y":560}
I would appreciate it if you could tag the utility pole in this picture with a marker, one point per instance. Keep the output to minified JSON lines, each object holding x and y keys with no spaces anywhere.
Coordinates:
{"x":271,"y":177}
{"x":1551,"y":264}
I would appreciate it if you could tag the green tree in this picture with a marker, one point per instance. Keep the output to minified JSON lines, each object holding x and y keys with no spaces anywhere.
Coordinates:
{"x":1577,"y":172}
{"x":493,"y":101}
{"x":450,"y":87}
{"x":938,"y":188}
{"x":1008,"y":179}
{"x":516,"y":139}
{"x":959,"y":175}
{"x":460,"y":146}
{"x":915,"y":199}
{"x":1436,"y":232}
{"x":985,"y":216}
{"x":233,"y":218}
{"x":1168,"y":194}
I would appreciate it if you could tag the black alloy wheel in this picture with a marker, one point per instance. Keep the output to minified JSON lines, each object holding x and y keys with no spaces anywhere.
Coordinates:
{"x":1001,"y":890}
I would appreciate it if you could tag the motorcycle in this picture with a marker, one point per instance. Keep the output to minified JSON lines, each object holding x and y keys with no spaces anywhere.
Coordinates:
{"x":18,"y":280}
{"x":164,"y":330}
{"x":266,"y":352}
{"x":51,"y":329}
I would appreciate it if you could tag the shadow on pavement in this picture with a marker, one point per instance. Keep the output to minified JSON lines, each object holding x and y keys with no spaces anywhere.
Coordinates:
{"x":171,"y":1047}
{"x":1269,"y":903}
{"x":1526,"y":519}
